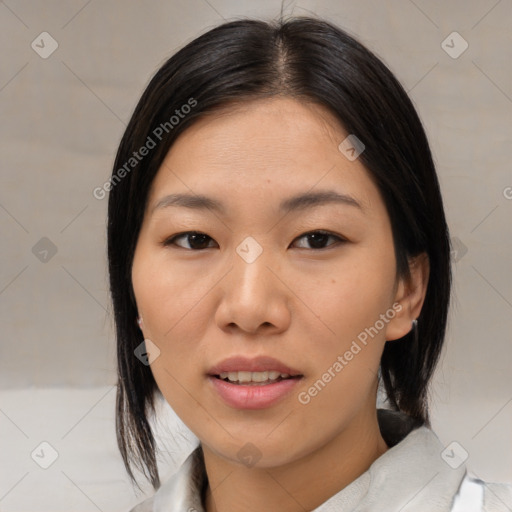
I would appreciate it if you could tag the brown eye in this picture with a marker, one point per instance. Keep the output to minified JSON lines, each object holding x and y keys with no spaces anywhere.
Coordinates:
{"x":196,"y":241}
{"x":318,"y":239}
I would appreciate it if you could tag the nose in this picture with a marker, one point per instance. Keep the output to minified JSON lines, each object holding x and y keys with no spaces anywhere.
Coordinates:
{"x":254,"y":298}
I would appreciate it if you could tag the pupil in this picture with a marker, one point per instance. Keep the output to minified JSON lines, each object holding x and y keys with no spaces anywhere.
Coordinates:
{"x":194,"y":237}
{"x":317,"y":240}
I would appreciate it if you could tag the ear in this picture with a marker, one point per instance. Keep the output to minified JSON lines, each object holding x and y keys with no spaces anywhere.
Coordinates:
{"x":410,"y":294}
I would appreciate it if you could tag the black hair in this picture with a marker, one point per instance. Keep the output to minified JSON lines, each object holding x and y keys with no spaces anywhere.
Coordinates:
{"x":311,"y":60}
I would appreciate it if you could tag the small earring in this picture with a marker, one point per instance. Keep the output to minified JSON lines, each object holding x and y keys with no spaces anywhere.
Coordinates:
{"x":415,"y":323}
{"x":415,"y":332}
{"x":139,"y":321}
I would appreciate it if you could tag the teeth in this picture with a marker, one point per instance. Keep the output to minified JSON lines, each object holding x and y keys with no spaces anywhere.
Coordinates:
{"x":254,"y":377}
{"x":244,"y":377}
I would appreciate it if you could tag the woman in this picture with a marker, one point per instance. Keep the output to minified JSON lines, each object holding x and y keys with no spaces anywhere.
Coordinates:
{"x":277,"y":248}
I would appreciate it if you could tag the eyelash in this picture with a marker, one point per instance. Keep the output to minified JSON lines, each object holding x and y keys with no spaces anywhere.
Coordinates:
{"x":171,"y":241}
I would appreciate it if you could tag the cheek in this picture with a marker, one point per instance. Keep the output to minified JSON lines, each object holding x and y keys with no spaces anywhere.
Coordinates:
{"x":167,"y":293}
{"x":353,"y":294}
{"x":349,"y":300}
{"x":346,"y":361}
{"x":169,"y":300}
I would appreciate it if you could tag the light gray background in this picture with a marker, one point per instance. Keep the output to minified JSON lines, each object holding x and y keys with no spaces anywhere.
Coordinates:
{"x":61,"y":120}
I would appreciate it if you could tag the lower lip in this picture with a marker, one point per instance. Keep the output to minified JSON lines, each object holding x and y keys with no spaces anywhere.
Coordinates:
{"x":242,"y":396}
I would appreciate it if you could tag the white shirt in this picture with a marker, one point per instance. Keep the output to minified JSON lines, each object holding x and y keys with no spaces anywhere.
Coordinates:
{"x":411,"y":476}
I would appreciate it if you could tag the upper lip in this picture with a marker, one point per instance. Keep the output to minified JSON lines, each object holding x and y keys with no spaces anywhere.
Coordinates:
{"x":256,"y":364}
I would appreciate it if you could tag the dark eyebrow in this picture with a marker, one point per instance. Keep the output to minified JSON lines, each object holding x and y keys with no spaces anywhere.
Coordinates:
{"x":312,"y":199}
{"x":300,"y":202}
{"x":192,"y":201}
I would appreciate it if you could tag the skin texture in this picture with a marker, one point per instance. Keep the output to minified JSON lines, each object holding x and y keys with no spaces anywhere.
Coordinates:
{"x":299,"y":304}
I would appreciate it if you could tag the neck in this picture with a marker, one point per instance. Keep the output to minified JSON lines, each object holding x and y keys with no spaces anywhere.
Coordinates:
{"x":302,"y":484}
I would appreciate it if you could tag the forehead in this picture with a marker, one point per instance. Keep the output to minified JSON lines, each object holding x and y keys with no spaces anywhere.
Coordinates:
{"x":260,"y":150}
{"x":283,"y":128}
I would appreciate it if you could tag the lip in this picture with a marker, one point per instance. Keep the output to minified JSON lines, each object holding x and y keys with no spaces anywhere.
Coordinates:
{"x":242,"y":396}
{"x":252,"y":397}
{"x":256,"y":364}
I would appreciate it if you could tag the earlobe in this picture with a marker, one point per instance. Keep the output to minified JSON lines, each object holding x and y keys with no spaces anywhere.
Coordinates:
{"x":140,"y":322}
{"x":410,"y":295}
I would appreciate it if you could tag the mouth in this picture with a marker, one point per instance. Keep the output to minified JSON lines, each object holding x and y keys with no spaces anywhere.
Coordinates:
{"x":255,"y":378}
{"x":256,"y":371}
{"x":253,"y":383}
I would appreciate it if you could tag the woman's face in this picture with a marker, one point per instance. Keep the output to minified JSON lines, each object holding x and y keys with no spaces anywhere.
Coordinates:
{"x":254,"y":293}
